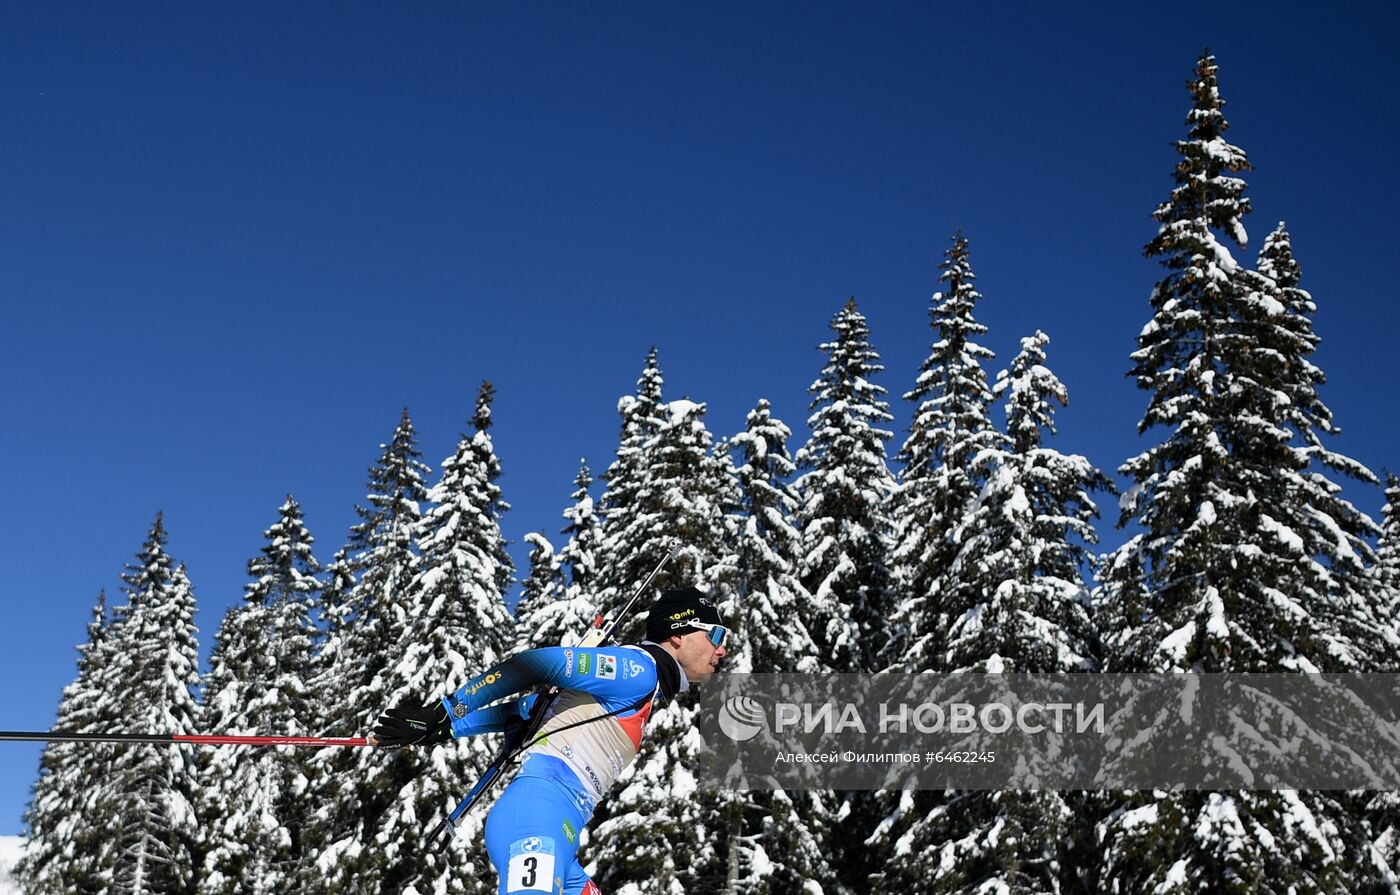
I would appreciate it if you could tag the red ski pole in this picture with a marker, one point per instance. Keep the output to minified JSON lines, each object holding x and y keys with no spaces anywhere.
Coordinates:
{"x":59,"y":736}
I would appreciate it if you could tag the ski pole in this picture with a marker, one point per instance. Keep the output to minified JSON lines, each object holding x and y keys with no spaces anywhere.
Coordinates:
{"x":673,"y":547}
{"x":60,"y":736}
{"x":596,"y":636}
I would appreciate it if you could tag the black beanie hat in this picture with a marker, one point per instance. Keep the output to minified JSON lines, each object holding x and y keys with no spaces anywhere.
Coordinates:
{"x":672,"y":610}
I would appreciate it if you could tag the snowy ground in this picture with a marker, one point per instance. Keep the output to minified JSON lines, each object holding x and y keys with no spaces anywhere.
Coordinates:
{"x":9,"y":854}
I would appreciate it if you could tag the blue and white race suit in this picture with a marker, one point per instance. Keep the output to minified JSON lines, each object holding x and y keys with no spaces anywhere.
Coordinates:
{"x":532,"y":830}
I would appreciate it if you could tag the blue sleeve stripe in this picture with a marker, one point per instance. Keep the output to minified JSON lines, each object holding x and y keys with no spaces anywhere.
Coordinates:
{"x":520,"y":672}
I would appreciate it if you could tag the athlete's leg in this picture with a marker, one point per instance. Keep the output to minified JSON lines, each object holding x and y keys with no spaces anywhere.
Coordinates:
{"x":532,"y":837}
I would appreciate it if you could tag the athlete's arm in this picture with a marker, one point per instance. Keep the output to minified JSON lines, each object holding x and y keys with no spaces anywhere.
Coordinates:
{"x":492,"y":718}
{"x":616,"y":675}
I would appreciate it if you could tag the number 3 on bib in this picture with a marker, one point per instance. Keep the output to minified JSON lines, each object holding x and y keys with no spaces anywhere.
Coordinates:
{"x":531,"y":865}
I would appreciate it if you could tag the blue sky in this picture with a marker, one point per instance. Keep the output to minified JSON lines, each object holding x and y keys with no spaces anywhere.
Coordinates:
{"x":235,"y":241}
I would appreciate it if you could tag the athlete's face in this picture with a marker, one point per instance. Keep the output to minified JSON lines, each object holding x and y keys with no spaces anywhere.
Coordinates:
{"x":697,"y":655}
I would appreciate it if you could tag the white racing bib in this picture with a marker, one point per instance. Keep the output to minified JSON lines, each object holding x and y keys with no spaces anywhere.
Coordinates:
{"x":531,"y":865}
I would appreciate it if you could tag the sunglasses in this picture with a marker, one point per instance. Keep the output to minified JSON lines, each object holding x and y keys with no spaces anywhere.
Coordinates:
{"x":715,"y":633}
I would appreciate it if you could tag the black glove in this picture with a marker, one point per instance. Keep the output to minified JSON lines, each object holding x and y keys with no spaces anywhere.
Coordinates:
{"x":409,"y":726}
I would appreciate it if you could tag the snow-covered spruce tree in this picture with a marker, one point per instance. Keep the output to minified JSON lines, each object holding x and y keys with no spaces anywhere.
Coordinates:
{"x":1019,"y":604}
{"x":1349,"y":611}
{"x":1015,"y":594}
{"x":365,"y":628}
{"x":251,"y":801}
{"x":772,"y":635}
{"x":779,"y":845}
{"x":777,"y":839}
{"x":381,"y":558}
{"x":687,"y":494}
{"x":455,"y":625}
{"x":148,"y":797}
{"x":936,"y":487}
{"x":69,"y":849}
{"x":579,"y":555}
{"x":561,"y":605}
{"x":1281,"y":841}
{"x":541,"y":598}
{"x":1249,"y":552}
{"x":843,"y":503}
{"x":725,"y":571}
{"x":622,"y":565}
{"x":951,"y":426}
{"x":1387,"y":568}
{"x":322,"y":822}
{"x":1381,"y":809}
{"x":571,"y":607}
{"x":1228,"y":572}
{"x":335,"y":615}
{"x":843,"y":498}
{"x":1283,"y":325}
{"x":658,"y":832}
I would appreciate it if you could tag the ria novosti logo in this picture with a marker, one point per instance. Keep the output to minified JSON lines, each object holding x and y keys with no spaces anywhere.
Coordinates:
{"x":741,"y":718}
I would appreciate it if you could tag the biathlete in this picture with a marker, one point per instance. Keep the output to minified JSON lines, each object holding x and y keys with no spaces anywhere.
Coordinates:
{"x":592,"y":731}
